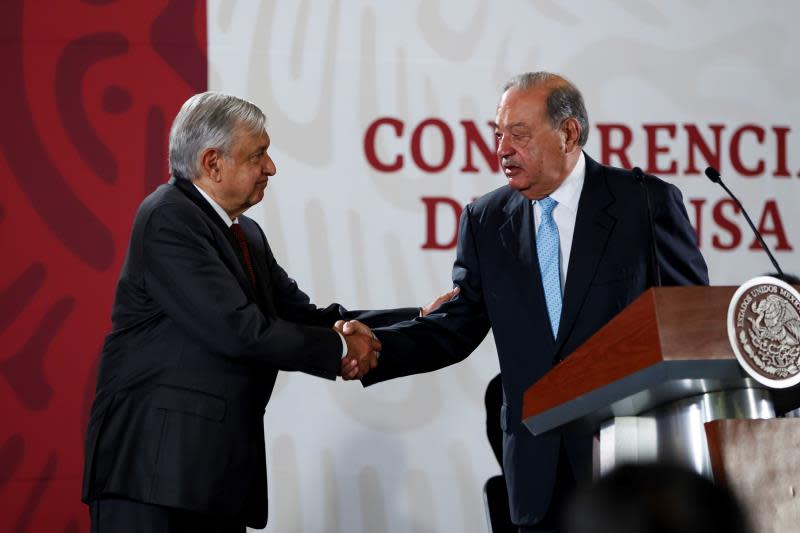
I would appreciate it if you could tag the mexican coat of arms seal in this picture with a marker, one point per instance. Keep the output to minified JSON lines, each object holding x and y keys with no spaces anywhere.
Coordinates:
{"x":764,"y":331}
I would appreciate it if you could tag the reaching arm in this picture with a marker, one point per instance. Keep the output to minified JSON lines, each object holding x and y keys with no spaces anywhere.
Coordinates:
{"x":185,"y":273}
{"x":448,"y":334}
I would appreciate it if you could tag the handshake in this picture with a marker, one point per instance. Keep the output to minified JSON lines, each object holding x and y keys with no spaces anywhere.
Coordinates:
{"x":363,"y":348}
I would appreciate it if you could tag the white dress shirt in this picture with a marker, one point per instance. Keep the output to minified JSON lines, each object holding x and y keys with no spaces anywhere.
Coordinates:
{"x":567,"y":195}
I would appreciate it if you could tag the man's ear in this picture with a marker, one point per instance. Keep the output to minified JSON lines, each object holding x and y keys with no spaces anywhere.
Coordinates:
{"x":571,"y":129}
{"x":211,"y":163}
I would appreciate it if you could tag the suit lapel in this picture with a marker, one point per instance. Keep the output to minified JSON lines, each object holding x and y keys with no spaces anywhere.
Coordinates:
{"x":593,"y":226}
{"x":518,"y":237}
{"x":516,"y":232}
{"x":231,"y":255}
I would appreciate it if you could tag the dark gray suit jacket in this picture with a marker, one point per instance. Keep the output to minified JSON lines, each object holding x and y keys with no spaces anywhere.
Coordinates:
{"x":190,"y":363}
{"x":497,"y":270}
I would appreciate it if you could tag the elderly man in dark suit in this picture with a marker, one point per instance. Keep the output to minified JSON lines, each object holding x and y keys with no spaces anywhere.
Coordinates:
{"x":545,"y":261}
{"x":203,"y":320}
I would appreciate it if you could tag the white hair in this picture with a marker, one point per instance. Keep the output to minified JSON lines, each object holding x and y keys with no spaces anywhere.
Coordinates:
{"x":207,"y":120}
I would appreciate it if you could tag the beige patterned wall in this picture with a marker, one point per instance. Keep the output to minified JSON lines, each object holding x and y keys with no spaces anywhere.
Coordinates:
{"x":411,"y":456}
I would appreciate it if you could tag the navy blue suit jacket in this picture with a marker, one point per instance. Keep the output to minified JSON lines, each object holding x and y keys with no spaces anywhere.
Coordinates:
{"x":496,"y":268}
{"x":190,"y":363}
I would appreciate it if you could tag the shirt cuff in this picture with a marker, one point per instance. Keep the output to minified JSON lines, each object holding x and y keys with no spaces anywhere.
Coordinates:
{"x":344,"y":344}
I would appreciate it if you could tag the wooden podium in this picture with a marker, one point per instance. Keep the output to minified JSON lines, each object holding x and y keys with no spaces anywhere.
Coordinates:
{"x":648,"y":381}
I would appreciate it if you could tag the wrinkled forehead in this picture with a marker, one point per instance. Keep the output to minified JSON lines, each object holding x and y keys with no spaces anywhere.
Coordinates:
{"x":521,"y":106}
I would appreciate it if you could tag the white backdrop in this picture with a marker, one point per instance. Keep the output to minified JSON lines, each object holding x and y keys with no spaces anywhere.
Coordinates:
{"x":411,"y":455}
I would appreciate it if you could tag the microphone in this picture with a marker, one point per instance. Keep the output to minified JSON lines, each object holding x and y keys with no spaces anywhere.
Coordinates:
{"x":640,"y":178}
{"x":713,"y":174}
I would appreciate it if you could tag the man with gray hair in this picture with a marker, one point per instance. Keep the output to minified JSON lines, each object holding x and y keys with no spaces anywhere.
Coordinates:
{"x":203,"y":320}
{"x":545,"y":261}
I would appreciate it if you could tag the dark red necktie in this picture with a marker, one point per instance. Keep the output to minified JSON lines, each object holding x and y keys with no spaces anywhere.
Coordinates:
{"x":240,"y":238}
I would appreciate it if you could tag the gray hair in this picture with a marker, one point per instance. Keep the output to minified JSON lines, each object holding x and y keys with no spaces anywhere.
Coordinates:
{"x":207,"y":120}
{"x":564,"y":101}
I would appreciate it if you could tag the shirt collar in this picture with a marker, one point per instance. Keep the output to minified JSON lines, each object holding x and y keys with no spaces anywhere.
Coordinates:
{"x":569,"y":192}
{"x":221,"y":212}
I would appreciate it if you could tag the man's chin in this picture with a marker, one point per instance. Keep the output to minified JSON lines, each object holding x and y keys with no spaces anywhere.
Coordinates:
{"x":517,"y":184}
{"x":251,"y":202}
{"x":258,"y":196}
{"x":526,"y":189}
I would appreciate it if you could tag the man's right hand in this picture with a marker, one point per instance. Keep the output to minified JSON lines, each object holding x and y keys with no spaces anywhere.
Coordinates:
{"x":362,"y":349}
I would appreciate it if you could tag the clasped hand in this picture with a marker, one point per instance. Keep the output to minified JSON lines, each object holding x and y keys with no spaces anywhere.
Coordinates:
{"x":363,"y":346}
{"x":362,"y":349}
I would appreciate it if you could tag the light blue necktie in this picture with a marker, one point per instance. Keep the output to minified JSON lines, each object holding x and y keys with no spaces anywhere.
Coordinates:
{"x":549,"y":263}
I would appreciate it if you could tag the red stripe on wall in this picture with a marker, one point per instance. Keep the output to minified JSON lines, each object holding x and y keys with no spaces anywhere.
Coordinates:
{"x":89,"y":91}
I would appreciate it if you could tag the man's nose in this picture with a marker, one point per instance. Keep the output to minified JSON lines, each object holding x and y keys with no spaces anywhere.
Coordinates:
{"x":504,"y":147}
{"x":269,"y":168}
